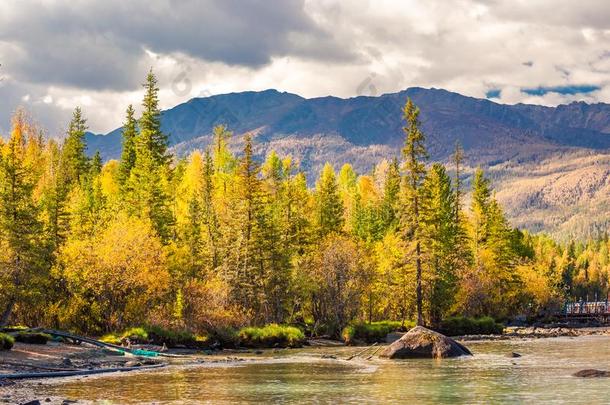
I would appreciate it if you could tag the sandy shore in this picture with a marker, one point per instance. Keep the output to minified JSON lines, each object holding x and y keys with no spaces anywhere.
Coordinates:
{"x":55,"y":356}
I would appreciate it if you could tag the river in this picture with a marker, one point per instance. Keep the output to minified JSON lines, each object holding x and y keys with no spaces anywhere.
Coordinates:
{"x":542,"y":375}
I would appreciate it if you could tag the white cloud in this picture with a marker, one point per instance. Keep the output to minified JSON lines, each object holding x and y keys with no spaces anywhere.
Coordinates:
{"x":95,"y":54}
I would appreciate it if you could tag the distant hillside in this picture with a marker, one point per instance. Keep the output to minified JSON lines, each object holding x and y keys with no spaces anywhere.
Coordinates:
{"x":549,"y":163}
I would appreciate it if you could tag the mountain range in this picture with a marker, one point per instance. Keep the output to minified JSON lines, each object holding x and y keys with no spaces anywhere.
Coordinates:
{"x":549,"y":165}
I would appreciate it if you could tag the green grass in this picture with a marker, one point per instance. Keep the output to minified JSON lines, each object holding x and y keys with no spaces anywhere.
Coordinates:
{"x":111,"y":338}
{"x":6,"y":341}
{"x":157,"y":335}
{"x":33,"y":338}
{"x":372,"y":332}
{"x":460,"y":325}
{"x":272,"y":335}
{"x":139,"y":335}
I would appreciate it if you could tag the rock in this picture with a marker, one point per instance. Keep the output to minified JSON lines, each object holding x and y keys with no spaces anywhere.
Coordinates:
{"x":133,"y":363}
{"x":421,"y":342}
{"x":34,"y":402}
{"x":513,"y":355}
{"x":592,"y":373}
{"x":329,"y":356}
{"x":66,"y":361}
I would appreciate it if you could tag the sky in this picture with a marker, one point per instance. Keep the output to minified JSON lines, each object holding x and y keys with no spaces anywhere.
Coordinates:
{"x":58,"y":54}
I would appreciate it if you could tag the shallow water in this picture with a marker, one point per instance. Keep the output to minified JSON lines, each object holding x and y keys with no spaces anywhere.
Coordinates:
{"x":542,"y":375}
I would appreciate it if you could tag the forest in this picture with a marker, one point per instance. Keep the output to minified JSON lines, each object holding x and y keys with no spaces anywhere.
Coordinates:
{"x":220,"y":240}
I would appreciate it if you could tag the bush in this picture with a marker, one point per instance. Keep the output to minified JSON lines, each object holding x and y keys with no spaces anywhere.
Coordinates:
{"x":372,"y":332}
{"x":459,"y":325}
{"x":6,"y":341}
{"x":33,"y":338}
{"x":172,"y":338}
{"x":272,"y":335}
{"x":157,"y":335}
{"x":135,"y":335}
{"x":111,"y":338}
{"x":226,"y":336}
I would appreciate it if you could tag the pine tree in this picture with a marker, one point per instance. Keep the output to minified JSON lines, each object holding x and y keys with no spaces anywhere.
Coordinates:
{"x":210,"y":218}
{"x":415,"y":154}
{"x":439,"y":239}
{"x":20,"y":228}
{"x":96,"y":164}
{"x":150,"y":123}
{"x":329,"y":206}
{"x":128,"y":154}
{"x":391,"y":197}
{"x":148,"y":197}
{"x":75,"y":160}
{"x":481,"y":196}
{"x":55,"y":189}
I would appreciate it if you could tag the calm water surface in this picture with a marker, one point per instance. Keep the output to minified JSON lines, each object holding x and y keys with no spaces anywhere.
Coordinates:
{"x":542,"y":375}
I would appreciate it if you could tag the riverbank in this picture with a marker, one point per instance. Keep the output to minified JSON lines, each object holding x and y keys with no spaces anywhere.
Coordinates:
{"x":57,"y":356}
{"x":538,"y":332}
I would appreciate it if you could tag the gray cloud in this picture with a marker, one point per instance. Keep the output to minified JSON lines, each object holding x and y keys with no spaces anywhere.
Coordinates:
{"x":98,"y":45}
{"x":61,"y":53}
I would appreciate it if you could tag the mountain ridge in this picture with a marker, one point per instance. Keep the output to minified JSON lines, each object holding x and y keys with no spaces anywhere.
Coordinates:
{"x":547,"y":163}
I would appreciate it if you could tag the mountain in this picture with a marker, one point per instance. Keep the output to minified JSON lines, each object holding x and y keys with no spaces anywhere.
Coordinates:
{"x":549,"y":164}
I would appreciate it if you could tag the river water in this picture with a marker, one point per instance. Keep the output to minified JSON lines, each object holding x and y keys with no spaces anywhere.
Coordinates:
{"x":543,"y":375}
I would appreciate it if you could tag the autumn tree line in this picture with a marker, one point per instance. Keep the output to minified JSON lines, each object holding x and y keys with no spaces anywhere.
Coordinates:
{"x":220,"y":240}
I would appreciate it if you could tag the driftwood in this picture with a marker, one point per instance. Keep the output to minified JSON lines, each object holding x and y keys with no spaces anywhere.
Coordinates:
{"x":18,"y":364}
{"x":374,"y":352}
{"x":361,"y":352}
{"x":52,"y":374}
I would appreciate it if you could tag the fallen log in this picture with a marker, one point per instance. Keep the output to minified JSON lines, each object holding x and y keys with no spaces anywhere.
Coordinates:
{"x":21,"y":364}
{"x":361,"y":352}
{"x":53,"y":374}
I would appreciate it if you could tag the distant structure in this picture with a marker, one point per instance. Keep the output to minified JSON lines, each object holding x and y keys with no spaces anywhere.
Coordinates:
{"x":586,"y":311}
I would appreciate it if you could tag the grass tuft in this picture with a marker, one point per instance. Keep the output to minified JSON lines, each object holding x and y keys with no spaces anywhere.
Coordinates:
{"x":272,"y":335}
{"x":6,"y":341}
{"x":372,"y":332}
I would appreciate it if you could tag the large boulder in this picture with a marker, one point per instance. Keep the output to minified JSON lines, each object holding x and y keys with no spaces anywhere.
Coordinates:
{"x":421,"y":342}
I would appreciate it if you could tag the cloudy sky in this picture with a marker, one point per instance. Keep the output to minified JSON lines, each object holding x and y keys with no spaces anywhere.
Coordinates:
{"x":56,"y":54}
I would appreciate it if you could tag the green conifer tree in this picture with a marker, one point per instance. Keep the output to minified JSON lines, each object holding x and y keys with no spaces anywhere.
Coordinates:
{"x":414,"y":154}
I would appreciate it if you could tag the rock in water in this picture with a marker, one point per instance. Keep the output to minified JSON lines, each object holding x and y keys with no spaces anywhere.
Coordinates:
{"x":421,"y":342}
{"x":592,"y":373}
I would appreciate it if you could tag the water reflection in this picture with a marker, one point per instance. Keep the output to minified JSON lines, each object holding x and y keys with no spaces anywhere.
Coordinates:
{"x":542,"y":375}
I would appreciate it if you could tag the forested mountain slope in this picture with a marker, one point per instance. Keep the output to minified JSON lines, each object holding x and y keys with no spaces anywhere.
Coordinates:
{"x":549,"y":163}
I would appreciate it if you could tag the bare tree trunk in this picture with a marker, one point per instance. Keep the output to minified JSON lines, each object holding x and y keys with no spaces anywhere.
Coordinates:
{"x":7,"y":312}
{"x":420,"y":320}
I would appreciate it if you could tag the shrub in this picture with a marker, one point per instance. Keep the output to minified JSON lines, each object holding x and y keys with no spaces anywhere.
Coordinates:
{"x":459,"y":325}
{"x":372,"y":332}
{"x":6,"y":341}
{"x":14,"y":328}
{"x":226,"y":336}
{"x":157,"y":335}
{"x":33,"y":338}
{"x":111,"y":338}
{"x":139,"y":335}
{"x":172,"y":338}
{"x":272,"y":335}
